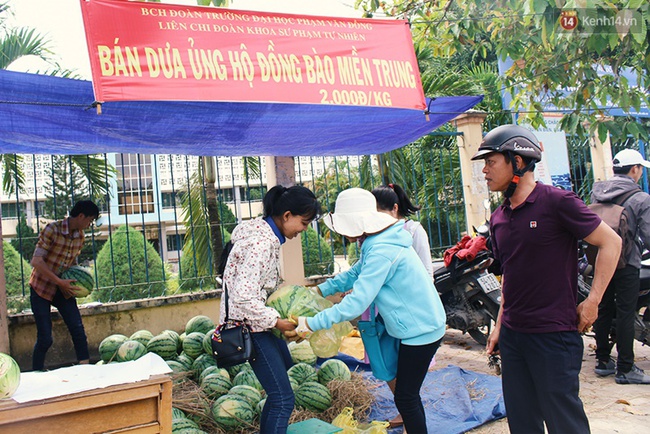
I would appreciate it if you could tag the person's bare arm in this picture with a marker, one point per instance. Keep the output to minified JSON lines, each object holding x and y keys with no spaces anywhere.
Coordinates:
{"x":609,"y":249}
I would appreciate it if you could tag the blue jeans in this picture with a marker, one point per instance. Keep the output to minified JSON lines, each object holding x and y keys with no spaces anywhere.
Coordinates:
{"x":69,"y":311}
{"x":412,"y":366}
{"x":270,"y":366}
{"x":540,"y":382}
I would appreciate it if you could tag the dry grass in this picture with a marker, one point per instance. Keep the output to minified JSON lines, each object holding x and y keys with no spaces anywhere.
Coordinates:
{"x":355,"y":393}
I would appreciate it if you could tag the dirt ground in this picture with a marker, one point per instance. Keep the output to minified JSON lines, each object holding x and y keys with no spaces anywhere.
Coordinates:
{"x":611,"y":408}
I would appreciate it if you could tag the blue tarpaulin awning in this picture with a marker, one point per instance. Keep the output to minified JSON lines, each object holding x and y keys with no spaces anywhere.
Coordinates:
{"x":41,"y":114}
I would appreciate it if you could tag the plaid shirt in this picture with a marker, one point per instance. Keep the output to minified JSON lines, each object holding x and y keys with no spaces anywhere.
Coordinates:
{"x":59,"y":249}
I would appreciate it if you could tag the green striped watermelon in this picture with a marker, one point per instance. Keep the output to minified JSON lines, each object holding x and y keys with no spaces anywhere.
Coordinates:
{"x":294,"y":383}
{"x":176,"y":337}
{"x":216,"y":385}
{"x":164,"y":345}
{"x":248,"y":378}
{"x":302,"y":353}
{"x":182,"y":425}
{"x":176,"y":367}
{"x":232,"y":411}
{"x":260,"y":407}
{"x":177,"y":413}
{"x":199,"y":323}
{"x":84,"y":280}
{"x":109,"y":345}
{"x":201,"y":363}
{"x":252,"y":395}
{"x":193,"y":344}
{"x":185,"y":360}
{"x":313,"y":396}
{"x":212,"y":370}
{"x":207,"y":342}
{"x":234,"y":370}
{"x":302,"y":373}
{"x":333,"y":369}
{"x":130,"y":350}
{"x":142,"y":336}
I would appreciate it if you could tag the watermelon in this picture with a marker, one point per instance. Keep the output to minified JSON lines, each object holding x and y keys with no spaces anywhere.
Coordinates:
{"x":260,"y":407}
{"x":176,"y":367}
{"x":201,"y":363}
{"x":177,"y":413}
{"x":130,"y":350}
{"x":333,"y":369}
{"x":164,"y":345}
{"x":252,"y":395}
{"x":234,"y":370}
{"x":232,"y":411}
{"x":294,"y":383}
{"x":109,"y":346}
{"x":185,"y":360}
{"x":302,"y":353}
{"x":142,"y":336}
{"x":313,"y":396}
{"x":182,"y":425}
{"x":207,"y":342}
{"x":302,"y":373}
{"x":84,"y":280}
{"x":248,"y":378}
{"x":193,"y":344}
{"x":176,"y":337}
{"x":9,"y":376}
{"x":216,"y":385}
{"x":199,"y":323}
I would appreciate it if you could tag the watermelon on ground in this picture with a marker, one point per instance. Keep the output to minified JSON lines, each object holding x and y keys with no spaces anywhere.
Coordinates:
{"x":84,"y":280}
{"x":313,"y":396}
{"x":231,"y":412}
{"x":333,"y":369}
{"x":248,"y":378}
{"x":130,"y":350}
{"x":302,"y":373}
{"x":182,"y":425}
{"x":207,"y":342}
{"x":164,"y":345}
{"x":142,"y":336}
{"x":109,"y":345}
{"x":216,"y":385}
{"x":193,"y":344}
{"x":201,"y":363}
{"x":234,"y":370}
{"x":252,"y":395}
{"x":199,"y":323}
{"x":302,"y":353}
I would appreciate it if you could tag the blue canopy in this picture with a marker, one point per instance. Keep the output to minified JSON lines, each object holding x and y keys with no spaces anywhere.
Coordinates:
{"x":41,"y":114}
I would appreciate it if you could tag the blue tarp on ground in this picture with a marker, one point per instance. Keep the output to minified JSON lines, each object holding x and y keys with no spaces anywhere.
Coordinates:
{"x":40,"y":114}
{"x":455,"y":400}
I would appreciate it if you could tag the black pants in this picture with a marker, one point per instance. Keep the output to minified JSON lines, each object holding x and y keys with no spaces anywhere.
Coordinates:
{"x":412,"y":366}
{"x":540,"y":382}
{"x":619,"y":301}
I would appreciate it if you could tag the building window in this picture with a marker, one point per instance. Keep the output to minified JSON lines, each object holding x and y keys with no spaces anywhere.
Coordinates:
{"x":134,"y":184}
{"x":13,"y":210}
{"x":174,"y":242}
{"x":169,"y":200}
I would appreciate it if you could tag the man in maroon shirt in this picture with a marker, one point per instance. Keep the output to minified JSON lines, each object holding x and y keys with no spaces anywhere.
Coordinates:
{"x":59,"y":244}
{"x":535,"y":235}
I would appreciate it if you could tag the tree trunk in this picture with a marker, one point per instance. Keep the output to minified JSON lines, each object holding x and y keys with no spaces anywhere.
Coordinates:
{"x":213,"y":212}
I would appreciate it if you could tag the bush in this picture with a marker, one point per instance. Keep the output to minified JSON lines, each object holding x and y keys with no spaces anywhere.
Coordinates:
{"x":187,"y":278}
{"x":14,"y":278}
{"x":353,"y":253}
{"x":121,"y":263}
{"x":316,"y":254}
{"x":26,"y":239}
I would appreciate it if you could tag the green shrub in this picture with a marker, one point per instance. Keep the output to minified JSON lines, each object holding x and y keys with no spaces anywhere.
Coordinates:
{"x":187,"y":278}
{"x":352,"y":253}
{"x":26,"y":239}
{"x":316,"y":254}
{"x":17,"y":272}
{"x":122,"y":271}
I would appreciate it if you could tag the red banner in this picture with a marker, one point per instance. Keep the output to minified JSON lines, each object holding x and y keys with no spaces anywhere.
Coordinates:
{"x":154,"y":51}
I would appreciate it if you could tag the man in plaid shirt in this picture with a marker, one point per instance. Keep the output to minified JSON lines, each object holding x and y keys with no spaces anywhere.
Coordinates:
{"x":59,"y":244}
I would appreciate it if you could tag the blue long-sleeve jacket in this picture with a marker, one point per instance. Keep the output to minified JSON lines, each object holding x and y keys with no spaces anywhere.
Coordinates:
{"x":391,"y":274}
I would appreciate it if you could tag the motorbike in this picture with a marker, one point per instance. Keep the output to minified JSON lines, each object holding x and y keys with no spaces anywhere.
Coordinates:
{"x":642,"y":318}
{"x":470,"y":292}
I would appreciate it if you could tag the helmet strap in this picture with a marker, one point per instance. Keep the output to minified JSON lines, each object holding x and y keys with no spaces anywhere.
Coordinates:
{"x":517,"y":174}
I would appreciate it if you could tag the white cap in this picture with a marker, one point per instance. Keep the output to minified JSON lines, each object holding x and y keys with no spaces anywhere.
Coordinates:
{"x":355,"y":214}
{"x":629,"y":157}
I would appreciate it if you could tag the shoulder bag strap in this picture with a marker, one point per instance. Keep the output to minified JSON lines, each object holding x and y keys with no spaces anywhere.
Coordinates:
{"x":225,"y":292}
{"x":620,"y":200}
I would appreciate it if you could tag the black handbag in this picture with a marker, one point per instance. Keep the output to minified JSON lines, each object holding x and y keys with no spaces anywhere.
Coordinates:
{"x":231,"y":341}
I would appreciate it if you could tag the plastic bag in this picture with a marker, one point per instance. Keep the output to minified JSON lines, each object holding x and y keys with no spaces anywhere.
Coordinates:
{"x":346,"y":421}
{"x":301,"y":301}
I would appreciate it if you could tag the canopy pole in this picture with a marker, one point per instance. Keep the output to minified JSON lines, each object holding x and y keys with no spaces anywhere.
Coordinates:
{"x":4,"y":317}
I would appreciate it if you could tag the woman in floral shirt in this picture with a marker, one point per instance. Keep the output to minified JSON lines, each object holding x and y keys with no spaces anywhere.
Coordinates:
{"x":251,"y":274}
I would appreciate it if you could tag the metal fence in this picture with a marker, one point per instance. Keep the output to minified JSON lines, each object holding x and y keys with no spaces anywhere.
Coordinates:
{"x":153,"y":236}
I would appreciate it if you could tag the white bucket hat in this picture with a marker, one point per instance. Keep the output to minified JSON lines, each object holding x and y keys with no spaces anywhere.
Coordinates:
{"x":355,"y":214}
{"x":629,"y":157}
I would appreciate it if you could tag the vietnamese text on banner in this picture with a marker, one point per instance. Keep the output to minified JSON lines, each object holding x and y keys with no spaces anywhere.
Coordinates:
{"x":154,"y":51}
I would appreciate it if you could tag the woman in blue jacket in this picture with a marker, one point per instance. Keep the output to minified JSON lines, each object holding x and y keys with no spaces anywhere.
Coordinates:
{"x":389,"y":274}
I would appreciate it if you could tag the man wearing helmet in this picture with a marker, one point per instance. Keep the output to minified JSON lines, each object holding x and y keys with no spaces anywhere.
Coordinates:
{"x":535,"y":234}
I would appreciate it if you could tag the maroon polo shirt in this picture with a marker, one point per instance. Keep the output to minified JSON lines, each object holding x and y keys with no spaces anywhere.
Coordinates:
{"x":537,"y":244}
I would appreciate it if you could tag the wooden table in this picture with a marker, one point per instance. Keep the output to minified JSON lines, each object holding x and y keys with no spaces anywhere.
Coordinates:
{"x":144,"y":407}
